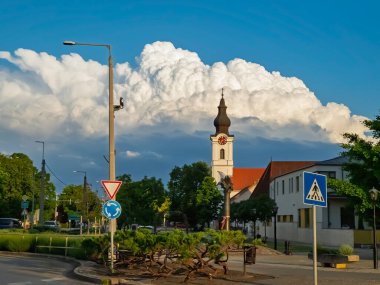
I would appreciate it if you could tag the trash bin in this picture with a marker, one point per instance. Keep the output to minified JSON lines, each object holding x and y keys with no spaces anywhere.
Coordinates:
{"x":249,"y":254}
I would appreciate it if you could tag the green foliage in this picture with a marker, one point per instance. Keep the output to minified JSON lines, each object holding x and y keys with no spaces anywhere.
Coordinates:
{"x":20,"y":243}
{"x":208,"y":201}
{"x":19,"y":177}
{"x":144,"y":202}
{"x":364,"y":156}
{"x":358,"y":197}
{"x":257,"y":241}
{"x":346,"y":249}
{"x":323,"y":250}
{"x":183,"y":188}
{"x":260,"y":208}
{"x":96,"y":248}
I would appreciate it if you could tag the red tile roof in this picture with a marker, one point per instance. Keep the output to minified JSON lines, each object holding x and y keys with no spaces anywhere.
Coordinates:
{"x":275,"y":169}
{"x":246,"y":177}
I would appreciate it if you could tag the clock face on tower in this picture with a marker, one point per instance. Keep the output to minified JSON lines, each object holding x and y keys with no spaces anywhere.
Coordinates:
{"x":222,"y":140}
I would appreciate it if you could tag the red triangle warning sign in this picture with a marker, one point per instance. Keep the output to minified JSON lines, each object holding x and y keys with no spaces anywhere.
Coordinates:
{"x":111,"y":187}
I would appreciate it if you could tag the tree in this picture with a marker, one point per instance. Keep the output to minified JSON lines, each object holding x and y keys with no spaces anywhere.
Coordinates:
{"x":208,"y":201}
{"x":19,"y":177}
{"x":183,"y":185}
{"x":364,"y":156}
{"x":143,"y":202}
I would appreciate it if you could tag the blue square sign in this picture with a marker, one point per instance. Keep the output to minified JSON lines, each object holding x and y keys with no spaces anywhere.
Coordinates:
{"x":314,"y":189}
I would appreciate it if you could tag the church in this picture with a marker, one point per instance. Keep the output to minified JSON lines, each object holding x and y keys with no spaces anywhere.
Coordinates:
{"x":244,"y":180}
{"x":283,"y":182}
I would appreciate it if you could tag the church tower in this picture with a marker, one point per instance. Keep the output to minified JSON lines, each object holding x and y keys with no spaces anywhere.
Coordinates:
{"x":222,"y":144}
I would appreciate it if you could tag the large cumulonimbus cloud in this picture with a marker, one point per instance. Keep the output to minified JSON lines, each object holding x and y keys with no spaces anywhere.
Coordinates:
{"x":170,"y":88}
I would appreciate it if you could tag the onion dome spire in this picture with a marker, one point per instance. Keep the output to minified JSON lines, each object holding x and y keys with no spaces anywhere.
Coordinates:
{"x":222,"y":122}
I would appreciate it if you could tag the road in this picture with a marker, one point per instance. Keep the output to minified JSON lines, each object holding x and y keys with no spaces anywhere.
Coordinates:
{"x":33,"y":270}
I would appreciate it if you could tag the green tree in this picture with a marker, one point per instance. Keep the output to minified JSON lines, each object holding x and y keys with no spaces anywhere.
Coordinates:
{"x":19,"y":177}
{"x":364,"y":156}
{"x":208,"y":201}
{"x":183,"y":185}
{"x":143,"y":202}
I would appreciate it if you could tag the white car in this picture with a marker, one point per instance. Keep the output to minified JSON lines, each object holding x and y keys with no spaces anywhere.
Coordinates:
{"x":53,"y":225}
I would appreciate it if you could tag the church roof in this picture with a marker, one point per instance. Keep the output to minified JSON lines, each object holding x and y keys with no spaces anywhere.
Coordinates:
{"x":275,"y":169}
{"x":222,"y":122}
{"x":246,"y":177}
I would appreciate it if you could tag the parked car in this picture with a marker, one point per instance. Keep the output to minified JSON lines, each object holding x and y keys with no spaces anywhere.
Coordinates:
{"x":51,"y":225}
{"x":10,"y":223}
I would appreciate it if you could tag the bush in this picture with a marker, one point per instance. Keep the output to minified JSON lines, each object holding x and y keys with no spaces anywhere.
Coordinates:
{"x":20,"y":243}
{"x":323,"y":250}
{"x":346,"y":249}
{"x":257,"y":241}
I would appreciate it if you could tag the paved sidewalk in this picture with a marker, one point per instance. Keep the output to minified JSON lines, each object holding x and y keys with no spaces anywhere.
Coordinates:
{"x":297,"y":261}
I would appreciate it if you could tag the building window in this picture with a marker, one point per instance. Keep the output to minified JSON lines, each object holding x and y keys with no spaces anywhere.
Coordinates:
{"x":305,"y":217}
{"x":283,"y":187}
{"x":291,"y":185}
{"x":329,"y":174}
{"x":277,"y":187}
{"x":297,"y":184}
{"x":222,"y":153}
{"x":285,"y":218}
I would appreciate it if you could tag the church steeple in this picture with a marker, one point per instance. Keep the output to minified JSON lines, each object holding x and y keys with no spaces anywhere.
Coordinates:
{"x":222,"y":122}
{"x":222,"y":144}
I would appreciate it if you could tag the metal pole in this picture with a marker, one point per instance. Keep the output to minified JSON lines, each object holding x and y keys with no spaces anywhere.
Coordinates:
{"x":275,"y":231}
{"x":375,"y":264}
{"x":315,"y":245}
{"x":42,"y":191}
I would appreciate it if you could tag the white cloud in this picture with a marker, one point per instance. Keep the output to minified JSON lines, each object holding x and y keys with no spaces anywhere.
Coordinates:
{"x":171,"y":89}
{"x":130,"y":153}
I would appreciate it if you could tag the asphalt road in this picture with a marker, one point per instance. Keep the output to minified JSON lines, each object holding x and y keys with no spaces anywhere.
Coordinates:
{"x":29,"y":270}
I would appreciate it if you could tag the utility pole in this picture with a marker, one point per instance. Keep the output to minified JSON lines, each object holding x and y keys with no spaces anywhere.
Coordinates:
{"x":42,"y":191}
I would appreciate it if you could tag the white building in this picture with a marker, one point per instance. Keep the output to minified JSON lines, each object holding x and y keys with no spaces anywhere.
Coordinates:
{"x":335,"y":223}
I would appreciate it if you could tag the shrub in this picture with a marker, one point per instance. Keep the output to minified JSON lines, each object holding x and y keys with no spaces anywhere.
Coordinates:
{"x":346,"y":249}
{"x":257,"y":241}
{"x":20,"y":243}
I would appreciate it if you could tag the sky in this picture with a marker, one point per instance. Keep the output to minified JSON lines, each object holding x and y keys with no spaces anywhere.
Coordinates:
{"x":296,"y":76}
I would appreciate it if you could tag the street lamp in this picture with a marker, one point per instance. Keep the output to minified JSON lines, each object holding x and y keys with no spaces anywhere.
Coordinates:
{"x":275,"y":210}
{"x":111,"y":135}
{"x":111,"y":106}
{"x":374,"y":193}
{"x":42,"y":191}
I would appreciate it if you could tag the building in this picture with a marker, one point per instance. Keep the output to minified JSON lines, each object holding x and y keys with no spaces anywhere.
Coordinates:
{"x":335,"y":223}
{"x":244,"y":180}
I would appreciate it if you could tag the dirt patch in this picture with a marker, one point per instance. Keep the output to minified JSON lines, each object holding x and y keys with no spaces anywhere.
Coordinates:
{"x":199,"y":278}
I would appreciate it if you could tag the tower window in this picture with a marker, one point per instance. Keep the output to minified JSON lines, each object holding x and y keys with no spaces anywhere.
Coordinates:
{"x":222,"y":153}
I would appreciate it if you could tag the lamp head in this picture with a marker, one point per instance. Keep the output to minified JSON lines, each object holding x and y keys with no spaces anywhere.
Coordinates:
{"x":374,"y":194}
{"x":69,"y":43}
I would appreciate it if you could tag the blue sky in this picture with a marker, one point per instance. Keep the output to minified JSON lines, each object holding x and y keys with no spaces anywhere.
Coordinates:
{"x":306,"y":71}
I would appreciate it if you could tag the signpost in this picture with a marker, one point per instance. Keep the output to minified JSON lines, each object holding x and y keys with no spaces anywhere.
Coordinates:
{"x":315,"y":194}
{"x":111,"y":209}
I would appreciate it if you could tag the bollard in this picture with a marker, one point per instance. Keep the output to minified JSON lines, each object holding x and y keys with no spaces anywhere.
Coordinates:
{"x":287,"y":248}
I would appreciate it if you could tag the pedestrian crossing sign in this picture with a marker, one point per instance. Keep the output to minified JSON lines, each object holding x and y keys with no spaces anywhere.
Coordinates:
{"x":314,"y":189}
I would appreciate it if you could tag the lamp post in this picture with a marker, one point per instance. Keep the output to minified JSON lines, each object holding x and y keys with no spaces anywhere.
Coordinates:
{"x":111,"y":125}
{"x":374,"y":193}
{"x":84,"y":197}
{"x":253,"y":211}
{"x":42,"y":191}
{"x":275,"y":210}
{"x":111,"y":106}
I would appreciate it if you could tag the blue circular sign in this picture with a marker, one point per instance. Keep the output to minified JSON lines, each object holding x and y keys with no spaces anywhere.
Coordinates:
{"x":111,"y":209}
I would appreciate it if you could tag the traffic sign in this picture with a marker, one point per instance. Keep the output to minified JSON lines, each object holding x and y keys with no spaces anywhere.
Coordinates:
{"x":111,"y":209}
{"x":111,"y":187}
{"x":25,"y":204}
{"x":314,"y":189}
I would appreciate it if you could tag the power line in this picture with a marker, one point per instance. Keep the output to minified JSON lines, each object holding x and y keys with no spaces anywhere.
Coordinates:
{"x":52,"y":172}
